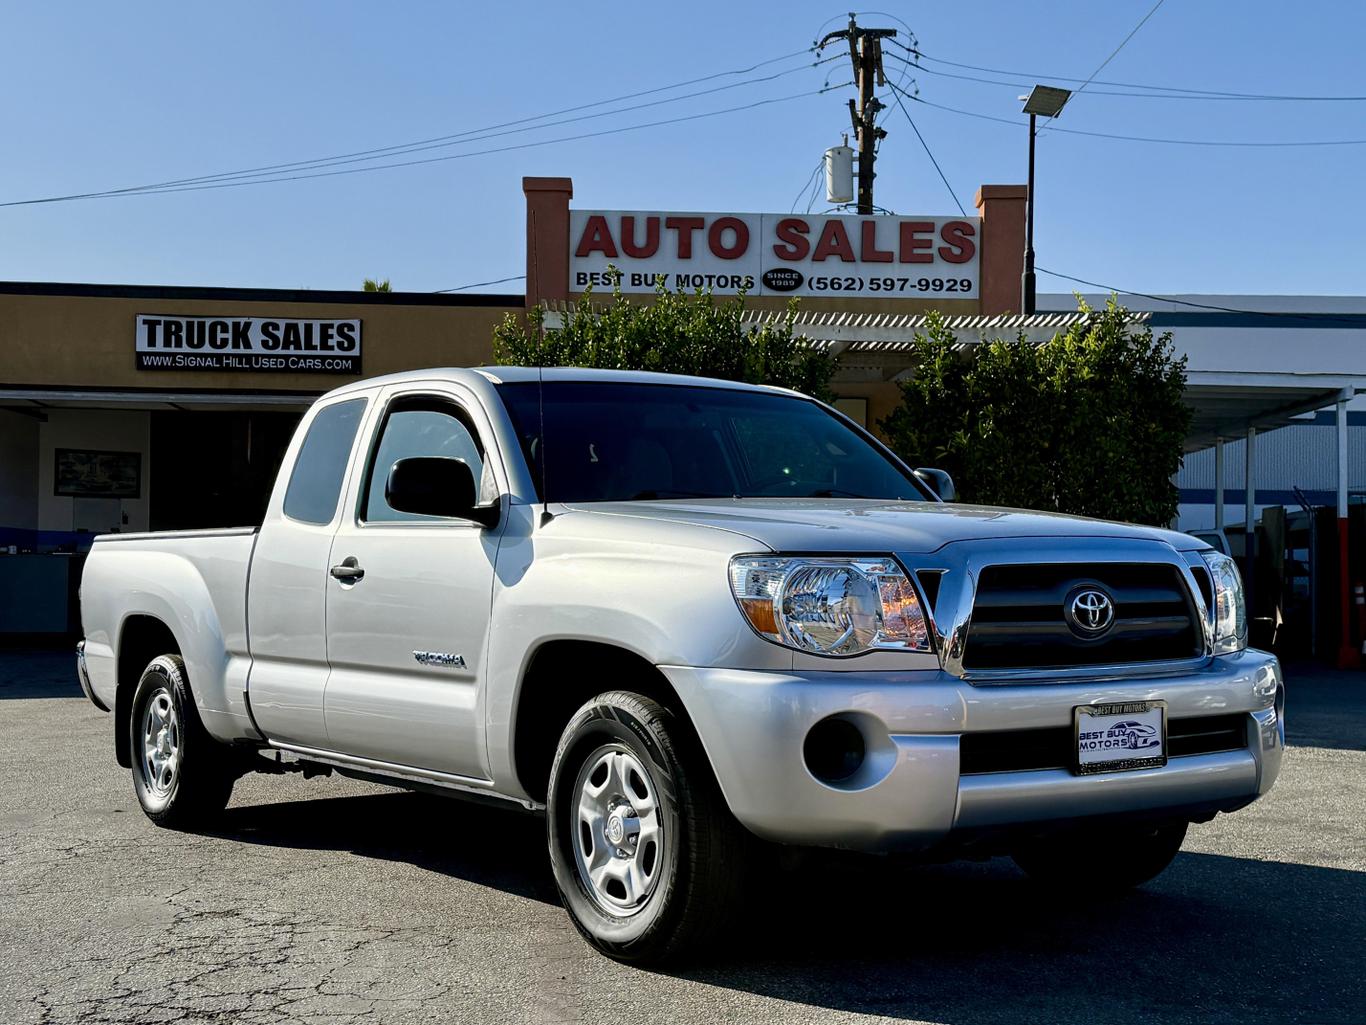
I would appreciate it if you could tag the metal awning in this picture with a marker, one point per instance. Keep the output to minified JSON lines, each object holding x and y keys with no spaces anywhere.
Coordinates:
{"x":1225,"y":396}
{"x":35,"y":400}
{"x":1226,"y":404}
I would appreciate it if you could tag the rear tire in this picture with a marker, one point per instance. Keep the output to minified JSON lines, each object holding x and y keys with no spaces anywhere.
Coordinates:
{"x":646,"y":855}
{"x":181,"y":775}
{"x":1112,"y":857}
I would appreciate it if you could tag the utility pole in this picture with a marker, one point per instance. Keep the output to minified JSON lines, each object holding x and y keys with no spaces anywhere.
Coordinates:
{"x":865,"y":52}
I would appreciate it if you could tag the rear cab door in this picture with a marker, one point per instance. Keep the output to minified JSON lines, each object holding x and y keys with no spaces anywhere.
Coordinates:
{"x":286,"y":591}
{"x":407,"y":638}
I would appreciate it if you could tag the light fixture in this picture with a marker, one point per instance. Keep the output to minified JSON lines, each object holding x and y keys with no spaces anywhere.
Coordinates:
{"x":1046,"y":100}
{"x":1043,"y":101}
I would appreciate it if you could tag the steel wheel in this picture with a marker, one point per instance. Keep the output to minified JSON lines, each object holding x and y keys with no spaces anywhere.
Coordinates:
{"x":161,"y":740}
{"x":619,"y":838}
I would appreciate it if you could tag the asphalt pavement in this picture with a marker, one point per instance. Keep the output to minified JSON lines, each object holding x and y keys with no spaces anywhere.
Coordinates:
{"x":333,"y":902}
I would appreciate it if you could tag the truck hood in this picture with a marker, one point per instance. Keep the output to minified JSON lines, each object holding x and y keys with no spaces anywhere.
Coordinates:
{"x":869,"y":525}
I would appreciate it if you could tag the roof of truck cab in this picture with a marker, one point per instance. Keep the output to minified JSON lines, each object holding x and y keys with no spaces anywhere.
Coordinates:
{"x":522,"y":375}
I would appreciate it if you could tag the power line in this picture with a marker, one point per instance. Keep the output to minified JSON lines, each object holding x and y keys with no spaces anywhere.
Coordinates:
{"x":806,"y":185}
{"x":1122,"y":43}
{"x":481,"y":284}
{"x":814,"y":193}
{"x":1254,"y":144}
{"x":1048,"y":122}
{"x":470,"y":135}
{"x":1136,"y":91}
{"x":896,"y":93}
{"x":261,"y":180}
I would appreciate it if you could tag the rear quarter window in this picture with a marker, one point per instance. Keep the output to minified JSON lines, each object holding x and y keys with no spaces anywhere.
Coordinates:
{"x":315,"y":483}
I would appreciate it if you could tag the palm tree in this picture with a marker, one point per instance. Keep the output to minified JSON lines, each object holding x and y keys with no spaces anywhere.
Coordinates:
{"x":371,"y":285}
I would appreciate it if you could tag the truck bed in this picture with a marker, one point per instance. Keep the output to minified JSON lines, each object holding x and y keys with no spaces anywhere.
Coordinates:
{"x":195,"y":582}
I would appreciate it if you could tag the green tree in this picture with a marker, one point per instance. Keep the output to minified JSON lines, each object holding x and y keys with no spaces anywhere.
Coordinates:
{"x":371,"y":285}
{"x":1091,"y":422}
{"x":676,"y":333}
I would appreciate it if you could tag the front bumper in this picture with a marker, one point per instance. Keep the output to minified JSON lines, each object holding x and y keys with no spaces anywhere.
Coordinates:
{"x":910,"y":794}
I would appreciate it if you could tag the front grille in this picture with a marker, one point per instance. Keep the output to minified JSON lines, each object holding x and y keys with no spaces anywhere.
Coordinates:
{"x":1018,"y":619}
{"x":1053,"y":747}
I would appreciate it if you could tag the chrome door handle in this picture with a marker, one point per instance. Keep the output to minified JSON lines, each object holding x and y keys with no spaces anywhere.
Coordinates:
{"x":348,"y":572}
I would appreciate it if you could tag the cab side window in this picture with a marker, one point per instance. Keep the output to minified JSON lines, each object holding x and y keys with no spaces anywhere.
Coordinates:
{"x":422,"y":428}
{"x":319,"y":469}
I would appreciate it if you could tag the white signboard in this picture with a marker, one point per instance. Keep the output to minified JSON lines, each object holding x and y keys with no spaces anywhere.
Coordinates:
{"x":263,"y":344}
{"x":775,"y":254}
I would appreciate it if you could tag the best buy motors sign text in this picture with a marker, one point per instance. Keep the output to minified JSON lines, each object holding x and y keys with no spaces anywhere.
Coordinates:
{"x":278,"y":344}
{"x":774,"y":254}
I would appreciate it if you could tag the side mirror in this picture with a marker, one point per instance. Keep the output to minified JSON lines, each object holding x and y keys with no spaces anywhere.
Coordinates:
{"x":937,"y":481}
{"x":436,"y":486}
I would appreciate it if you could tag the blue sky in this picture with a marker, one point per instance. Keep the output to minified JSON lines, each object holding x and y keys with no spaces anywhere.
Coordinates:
{"x":105,"y":96}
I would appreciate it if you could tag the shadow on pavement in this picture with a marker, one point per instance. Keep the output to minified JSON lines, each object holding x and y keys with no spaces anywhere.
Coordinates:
{"x":38,"y":673}
{"x":1326,"y":708}
{"x":1214,"y":939}
{"x":434,"y":833}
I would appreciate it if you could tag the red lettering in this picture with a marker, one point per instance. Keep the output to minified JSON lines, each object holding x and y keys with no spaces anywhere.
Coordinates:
{"x":597,"y":238}
{"x":628,"y":237}
{"x":869,"y":251}
{"x":914,"y":249}
{"x":960,"y":247}
{"x":834,"y":241}
{"x":792,"y":231}
{"x":716,"y":238}
{"x":684,"y":226}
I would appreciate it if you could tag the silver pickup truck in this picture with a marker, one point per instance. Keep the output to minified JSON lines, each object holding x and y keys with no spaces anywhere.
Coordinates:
{"x":682,"y":617}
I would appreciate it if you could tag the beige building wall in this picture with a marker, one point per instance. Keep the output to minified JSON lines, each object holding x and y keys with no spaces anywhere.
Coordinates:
{"x":85,"y":341}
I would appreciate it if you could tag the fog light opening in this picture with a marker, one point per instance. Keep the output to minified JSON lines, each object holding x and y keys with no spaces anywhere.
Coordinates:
{"x":834,"y":750}
{"x":1280,"y":711}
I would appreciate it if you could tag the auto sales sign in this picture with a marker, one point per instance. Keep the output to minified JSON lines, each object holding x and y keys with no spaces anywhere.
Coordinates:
{"x":775,"y":254}
{"x":262,"y":344}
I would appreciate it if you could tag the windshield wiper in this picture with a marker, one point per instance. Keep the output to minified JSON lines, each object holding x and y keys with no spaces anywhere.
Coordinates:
{"x":836,"y":493}
{"x":645,"y":496}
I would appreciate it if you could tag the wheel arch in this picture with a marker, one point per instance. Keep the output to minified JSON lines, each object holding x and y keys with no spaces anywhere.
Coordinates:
{"x":142,"y":638}
{"x":562,"y":674}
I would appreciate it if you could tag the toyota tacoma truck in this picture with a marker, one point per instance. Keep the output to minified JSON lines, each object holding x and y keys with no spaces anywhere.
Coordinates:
{"x":687,"y":620}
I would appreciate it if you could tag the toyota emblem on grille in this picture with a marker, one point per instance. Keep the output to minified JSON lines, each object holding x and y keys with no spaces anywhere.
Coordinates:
{"x":1090,"y":612}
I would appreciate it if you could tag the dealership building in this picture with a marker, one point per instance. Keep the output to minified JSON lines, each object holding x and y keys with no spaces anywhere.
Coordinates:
{"x":126,"y":408}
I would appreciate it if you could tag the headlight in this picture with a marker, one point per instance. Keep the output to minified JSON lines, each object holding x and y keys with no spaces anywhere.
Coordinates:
{"x":1230,"y":613}
{"x":830,"y":606}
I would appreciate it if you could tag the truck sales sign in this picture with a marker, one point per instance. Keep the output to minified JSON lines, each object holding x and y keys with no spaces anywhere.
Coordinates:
{"x":775,"y":254}
{"x":268,"y":344}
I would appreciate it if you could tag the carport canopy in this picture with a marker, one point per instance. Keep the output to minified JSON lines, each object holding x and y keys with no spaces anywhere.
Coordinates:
{"x":1237,"y":378}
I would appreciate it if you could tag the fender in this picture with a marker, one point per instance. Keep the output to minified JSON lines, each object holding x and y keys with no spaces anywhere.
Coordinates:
{"x":668,"y":604}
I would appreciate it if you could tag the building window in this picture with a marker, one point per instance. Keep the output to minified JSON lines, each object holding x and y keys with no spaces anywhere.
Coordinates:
{"x":855,"y":409}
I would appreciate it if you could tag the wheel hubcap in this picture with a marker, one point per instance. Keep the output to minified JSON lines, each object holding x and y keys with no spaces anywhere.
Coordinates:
{"x":619,"y":841}
{"x":160,"y":743}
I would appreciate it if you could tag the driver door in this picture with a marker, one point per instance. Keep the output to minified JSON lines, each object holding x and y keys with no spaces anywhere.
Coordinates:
{"x":408,"y":602}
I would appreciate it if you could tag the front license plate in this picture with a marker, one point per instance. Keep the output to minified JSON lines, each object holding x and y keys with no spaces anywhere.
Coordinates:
{"x":1113,"y":738}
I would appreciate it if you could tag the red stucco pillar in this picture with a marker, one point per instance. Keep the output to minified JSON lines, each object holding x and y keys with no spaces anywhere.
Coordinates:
{"x":547,"y":238}
{"x":1002,"y":208}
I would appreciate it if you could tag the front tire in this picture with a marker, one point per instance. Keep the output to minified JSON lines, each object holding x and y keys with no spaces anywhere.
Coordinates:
{"x":646,"y":855}
{"x":1112,"y":857}
{"x":180,"y":774}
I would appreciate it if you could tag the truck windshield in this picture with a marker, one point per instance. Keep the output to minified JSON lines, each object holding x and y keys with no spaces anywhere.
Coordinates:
{"x":612,"y":442}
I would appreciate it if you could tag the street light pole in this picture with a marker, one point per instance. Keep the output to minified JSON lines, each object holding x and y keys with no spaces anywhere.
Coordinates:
{"x":1027,"y":281}
{"x":1048,"y":101}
